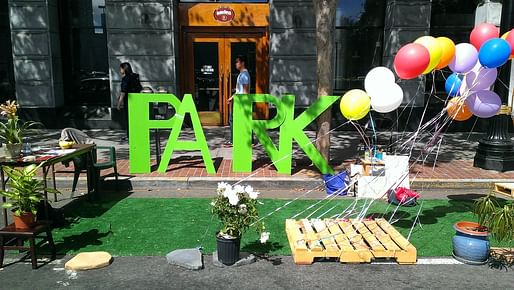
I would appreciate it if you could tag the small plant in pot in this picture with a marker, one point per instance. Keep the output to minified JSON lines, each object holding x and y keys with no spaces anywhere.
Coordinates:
{"x":12,"y":130}
{"x":24,"y":194}
{"x":236,"y":208}
{"x":471,"y":242}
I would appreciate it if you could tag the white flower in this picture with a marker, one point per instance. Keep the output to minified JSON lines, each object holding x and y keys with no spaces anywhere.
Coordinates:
{"x":239,"y":189}
{"x":253,"y":194}
{"x":248,"y":189}
{"x":242,"y":209}
{"x":213,"y":203}
{"x":264,"y":237}
{"x":233,"y":199}
{"x":223,"y":187}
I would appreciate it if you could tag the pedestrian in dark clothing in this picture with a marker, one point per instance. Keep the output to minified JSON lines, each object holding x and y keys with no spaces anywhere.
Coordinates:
{"x":129,"y":84}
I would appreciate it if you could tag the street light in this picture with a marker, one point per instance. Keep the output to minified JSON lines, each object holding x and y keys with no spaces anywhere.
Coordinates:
{"x":496,"y":150}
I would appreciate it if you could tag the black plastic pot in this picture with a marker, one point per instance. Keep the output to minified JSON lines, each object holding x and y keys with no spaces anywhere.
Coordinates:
{"x":228,"y":250}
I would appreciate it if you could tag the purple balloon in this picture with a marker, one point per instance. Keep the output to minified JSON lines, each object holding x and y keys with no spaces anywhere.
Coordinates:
{"x":466,"y":56}
{"x":484,"y":104}
{"x":480,"y":78}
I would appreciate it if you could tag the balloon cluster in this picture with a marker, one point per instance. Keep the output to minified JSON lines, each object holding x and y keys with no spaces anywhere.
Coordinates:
{"x":474,"y":66}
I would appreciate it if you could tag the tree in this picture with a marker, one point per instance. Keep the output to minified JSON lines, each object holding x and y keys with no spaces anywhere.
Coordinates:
{"x":325,"y":11}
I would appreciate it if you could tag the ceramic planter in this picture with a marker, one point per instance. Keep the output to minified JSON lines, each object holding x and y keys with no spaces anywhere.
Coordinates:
{"x":228,"y":249}
{"x":471,"y":243}
{"x":13,"y":150}
{"x":24,"y":221}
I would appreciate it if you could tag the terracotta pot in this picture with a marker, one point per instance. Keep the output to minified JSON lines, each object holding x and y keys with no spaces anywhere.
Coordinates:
{"x":13,"y":150}
{"x":25,"y":221}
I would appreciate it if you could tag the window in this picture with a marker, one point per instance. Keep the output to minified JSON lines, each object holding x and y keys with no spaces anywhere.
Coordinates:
{"x":84,"y":50}
{"x":6,"y":62}
{"x":454,"y":19}
{"x":358,"y":41}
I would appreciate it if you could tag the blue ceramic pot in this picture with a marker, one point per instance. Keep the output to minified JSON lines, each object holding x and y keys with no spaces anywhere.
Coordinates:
{"x":470,"y":244}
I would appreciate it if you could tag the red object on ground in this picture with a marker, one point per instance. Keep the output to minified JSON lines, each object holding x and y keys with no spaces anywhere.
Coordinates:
{"x":403,"y":194}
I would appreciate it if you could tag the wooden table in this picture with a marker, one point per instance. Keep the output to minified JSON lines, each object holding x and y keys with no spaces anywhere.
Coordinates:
{"x":47,"y":163}
{"x":368,"y":165}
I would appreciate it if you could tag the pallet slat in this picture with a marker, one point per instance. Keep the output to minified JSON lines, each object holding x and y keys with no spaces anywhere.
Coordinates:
{"x":353,"y":241}
{"x":504,"y":188}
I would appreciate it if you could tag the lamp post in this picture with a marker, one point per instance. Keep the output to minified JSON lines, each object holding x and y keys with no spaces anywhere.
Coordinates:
{"x":496,"y":150}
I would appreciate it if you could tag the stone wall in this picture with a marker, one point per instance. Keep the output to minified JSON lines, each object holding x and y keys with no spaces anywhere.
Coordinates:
{"x":292,"y":51}
{"x":143,"y":34}
{"x":36,"y":53}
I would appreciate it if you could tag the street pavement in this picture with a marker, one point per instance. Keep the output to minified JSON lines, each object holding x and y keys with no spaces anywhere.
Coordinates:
{"x":281,"y":273}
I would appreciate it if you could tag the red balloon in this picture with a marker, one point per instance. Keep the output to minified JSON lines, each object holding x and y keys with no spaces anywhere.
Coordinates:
{"x":510,"y":41}
{"x":411,"y":61}
{"x":482,"y":33}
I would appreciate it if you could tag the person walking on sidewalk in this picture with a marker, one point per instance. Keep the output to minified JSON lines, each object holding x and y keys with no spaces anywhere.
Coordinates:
{"x":129,"y":84}
{"x":242,"y":87}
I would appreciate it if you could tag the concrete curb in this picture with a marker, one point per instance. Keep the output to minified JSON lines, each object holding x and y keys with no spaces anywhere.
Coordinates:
{"x":269,"y":183}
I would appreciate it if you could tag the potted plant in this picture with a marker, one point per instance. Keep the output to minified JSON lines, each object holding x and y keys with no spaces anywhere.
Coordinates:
{"x":471,"y":242}
{"x":497,"y":217}
{"x":12,"y":130}
{"x":24,"y":194}
{"x":236,"y":208}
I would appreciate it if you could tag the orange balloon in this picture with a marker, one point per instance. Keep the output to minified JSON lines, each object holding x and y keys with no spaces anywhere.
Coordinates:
{"x":458,"y":110}
{"x":448,"y":48}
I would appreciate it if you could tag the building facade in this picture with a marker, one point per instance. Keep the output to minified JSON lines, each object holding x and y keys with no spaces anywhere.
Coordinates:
{"x":62,"y":57}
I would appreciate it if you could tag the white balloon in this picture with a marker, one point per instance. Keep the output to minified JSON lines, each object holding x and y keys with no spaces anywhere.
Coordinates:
{"x":389,"y":99}
{"x":376,"y":79}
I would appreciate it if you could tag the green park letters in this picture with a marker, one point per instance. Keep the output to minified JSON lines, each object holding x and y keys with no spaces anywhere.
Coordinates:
{"x":289,"y":128}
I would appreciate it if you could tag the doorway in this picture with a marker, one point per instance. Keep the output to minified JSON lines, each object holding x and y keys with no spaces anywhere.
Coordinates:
{"x":210,"y":73}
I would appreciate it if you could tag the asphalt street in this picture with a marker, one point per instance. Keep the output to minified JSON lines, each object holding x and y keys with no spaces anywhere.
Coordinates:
{"x":155,"y":273}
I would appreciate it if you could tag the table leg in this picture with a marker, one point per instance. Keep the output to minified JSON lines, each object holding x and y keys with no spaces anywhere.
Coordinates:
{"x":33,"y":256}
{"x":3,"y":197}
{"x":157,"y":146}
{"x":53,"y":179}
{"x":45,"y":174}
{"x":1,"y":251}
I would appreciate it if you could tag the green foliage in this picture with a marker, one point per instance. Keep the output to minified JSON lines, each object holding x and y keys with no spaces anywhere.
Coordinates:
{"x":24,"y":191}
{"x":236,"y":209}
{"x":498,"y":219}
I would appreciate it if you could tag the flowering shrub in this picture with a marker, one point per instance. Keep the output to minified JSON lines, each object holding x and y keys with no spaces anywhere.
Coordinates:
{"x":236,"y":208}
{"x":12,"y":130}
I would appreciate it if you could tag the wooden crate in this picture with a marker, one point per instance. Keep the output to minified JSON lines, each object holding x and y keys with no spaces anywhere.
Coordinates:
{"x":349,"y":241}
{"x":504,"y":188}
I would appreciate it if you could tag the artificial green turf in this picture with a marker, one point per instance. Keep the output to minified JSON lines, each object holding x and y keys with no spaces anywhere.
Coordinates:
{"x":155,"y":226}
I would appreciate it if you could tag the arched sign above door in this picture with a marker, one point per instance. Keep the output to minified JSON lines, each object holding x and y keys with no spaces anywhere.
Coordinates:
{"x":224,"y":14}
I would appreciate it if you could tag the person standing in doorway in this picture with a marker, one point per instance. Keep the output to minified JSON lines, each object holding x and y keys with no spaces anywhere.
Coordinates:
{"x":242,"y":87}
{"x":129,"y":84}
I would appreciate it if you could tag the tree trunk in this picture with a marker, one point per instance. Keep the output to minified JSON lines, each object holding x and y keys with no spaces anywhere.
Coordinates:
{"x":325,"y":11}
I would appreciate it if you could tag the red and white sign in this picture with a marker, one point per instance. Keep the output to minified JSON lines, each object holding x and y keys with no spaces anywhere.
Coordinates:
{"x":224,"y":14}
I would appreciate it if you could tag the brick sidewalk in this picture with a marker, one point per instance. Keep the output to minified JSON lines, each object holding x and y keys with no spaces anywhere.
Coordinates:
{"x":194,"y":167}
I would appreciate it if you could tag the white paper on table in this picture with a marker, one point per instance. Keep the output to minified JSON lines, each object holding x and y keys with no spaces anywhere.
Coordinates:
{"x":59,"y":151}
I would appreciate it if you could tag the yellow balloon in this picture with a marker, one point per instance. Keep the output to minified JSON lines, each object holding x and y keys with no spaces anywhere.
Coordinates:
{"x":504,"y":37}
{"x":355,"y":104}
{"x":448,"y":51}
{"x":433,"y":47}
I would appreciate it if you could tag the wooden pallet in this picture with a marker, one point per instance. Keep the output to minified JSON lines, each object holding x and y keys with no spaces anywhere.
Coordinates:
{"x":349,"y":241}
{"x":504,"y":188}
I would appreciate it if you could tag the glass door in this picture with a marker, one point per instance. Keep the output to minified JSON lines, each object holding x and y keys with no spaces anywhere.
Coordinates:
{"x":211,"y":75}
